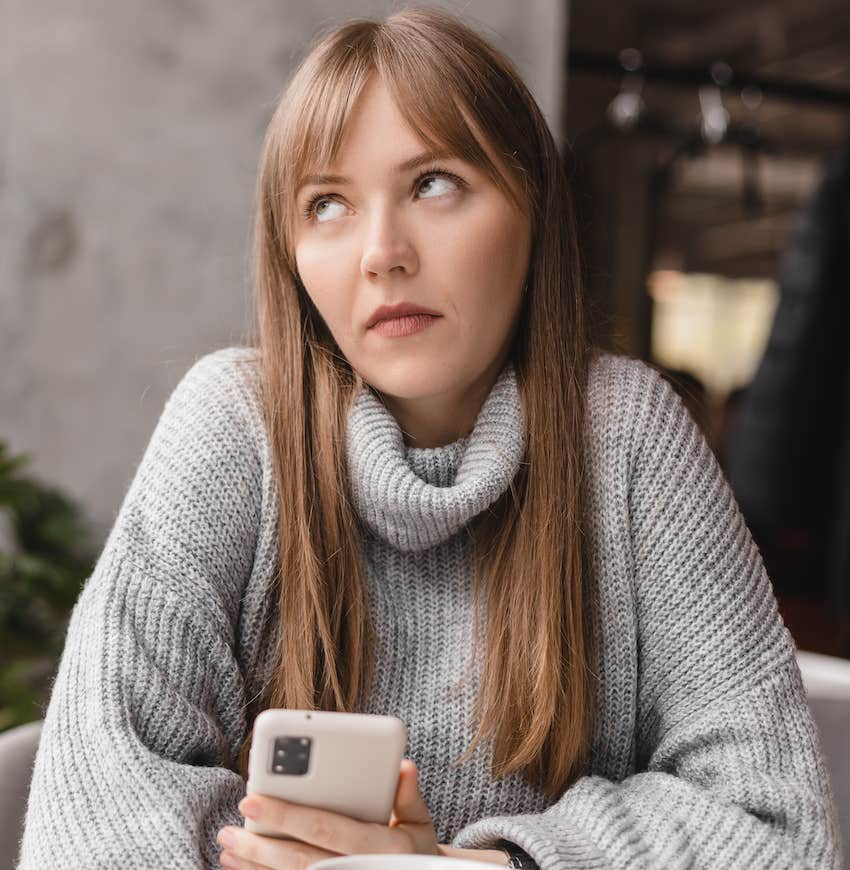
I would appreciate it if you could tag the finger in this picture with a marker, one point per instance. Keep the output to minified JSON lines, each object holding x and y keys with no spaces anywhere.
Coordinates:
{"x":252,"y":851}
{"x":325,"y":829}
{"x":231,"y":862}
{"x":409,"y":806}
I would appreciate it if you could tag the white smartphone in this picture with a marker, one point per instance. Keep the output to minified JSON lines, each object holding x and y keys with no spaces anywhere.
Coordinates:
{"x":347,"y":763}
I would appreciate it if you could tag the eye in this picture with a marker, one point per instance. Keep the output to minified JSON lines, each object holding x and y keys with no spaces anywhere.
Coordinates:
{"x":436,"y":175}
{"x":311,"y":209}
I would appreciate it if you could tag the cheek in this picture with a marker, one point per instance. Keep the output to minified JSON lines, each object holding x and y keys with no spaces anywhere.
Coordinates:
{"x":324,"y":278}
{"x":490,"y":267}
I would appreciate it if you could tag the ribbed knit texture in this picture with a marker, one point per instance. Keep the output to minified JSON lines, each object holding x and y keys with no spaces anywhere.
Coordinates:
{"x":416,"y":498}
{"x":704,"y":753}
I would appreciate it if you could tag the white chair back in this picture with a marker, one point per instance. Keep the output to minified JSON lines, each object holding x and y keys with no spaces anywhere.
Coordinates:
{"x":827,"y":682}
{"x":17,"y":754}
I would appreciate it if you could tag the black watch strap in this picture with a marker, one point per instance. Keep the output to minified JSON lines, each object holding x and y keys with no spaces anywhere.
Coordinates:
{"x":517,"y":857}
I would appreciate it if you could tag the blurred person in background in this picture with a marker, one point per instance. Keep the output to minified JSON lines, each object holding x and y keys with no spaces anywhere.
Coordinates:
{"x":788,"y":443}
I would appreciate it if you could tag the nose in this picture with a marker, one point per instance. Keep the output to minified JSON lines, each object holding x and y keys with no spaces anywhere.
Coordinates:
{"x":387,"y":244}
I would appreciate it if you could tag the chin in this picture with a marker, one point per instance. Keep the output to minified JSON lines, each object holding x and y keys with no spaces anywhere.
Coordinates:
{"x":408,"y":379}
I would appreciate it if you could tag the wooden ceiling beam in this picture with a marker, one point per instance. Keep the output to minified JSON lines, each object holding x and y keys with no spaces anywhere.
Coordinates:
{"x":771,"y":27}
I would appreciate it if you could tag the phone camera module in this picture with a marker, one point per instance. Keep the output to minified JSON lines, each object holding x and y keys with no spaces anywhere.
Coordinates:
{"x":291,"y":755}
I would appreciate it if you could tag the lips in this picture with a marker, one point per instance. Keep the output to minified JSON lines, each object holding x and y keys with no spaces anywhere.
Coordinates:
{"x":397,"y":327}
{"x":401,"y":309}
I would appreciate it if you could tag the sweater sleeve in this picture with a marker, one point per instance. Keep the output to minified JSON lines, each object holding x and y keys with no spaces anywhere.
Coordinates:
{"x":136,"y":767}
{"x":728,"y":770}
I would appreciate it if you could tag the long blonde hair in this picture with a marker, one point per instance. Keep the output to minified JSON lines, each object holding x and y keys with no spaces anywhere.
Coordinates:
{"x":536,"y":697}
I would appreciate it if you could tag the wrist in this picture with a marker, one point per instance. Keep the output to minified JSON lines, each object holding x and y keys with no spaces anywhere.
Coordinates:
{"x":517,"y":857}
{"x":485,"y":856}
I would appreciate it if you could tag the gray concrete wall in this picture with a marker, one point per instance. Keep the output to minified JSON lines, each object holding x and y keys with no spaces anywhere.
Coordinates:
{"x":131,"y":134}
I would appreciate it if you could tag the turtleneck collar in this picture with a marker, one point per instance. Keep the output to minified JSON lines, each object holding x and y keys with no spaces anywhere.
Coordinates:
{"x":417,"y":497}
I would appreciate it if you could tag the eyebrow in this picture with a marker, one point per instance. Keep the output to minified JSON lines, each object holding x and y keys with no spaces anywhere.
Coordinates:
{"x":406,"y":166}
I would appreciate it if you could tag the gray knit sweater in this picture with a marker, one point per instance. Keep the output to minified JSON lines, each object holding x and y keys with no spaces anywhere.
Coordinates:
{"x":704,"y":752}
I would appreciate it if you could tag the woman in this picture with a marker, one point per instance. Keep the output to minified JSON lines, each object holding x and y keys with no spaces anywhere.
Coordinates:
{"x":467,"y":518}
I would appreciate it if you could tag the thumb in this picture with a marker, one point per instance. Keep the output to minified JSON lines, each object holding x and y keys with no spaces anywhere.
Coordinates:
{"x":409,"y":804}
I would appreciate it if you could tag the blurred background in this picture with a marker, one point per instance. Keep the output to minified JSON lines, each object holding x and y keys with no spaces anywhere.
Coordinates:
{"x":709,"y":149}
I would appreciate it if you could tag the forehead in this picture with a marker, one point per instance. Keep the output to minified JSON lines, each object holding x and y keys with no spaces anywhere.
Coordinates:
{"x":376,"y":121}
{"x":374,"y":129}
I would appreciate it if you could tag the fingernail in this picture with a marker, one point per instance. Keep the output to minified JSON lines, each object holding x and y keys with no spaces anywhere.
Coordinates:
{"x":249,"y":808}
{"x":226,"y":838}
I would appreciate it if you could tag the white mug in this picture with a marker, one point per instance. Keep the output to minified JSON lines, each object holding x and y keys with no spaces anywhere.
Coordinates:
{"x":398,"y":862}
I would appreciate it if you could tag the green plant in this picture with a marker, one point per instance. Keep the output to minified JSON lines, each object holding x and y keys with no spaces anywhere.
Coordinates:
{"x":45,"y":557}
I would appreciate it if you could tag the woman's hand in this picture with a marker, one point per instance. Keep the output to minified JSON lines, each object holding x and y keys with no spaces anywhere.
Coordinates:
{"x":322,"y":834}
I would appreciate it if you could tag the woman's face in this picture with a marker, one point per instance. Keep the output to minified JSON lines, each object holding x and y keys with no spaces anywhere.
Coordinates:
{"x":456,"y":246}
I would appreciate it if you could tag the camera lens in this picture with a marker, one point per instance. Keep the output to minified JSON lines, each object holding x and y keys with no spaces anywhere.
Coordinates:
{"x":291,"y":755}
